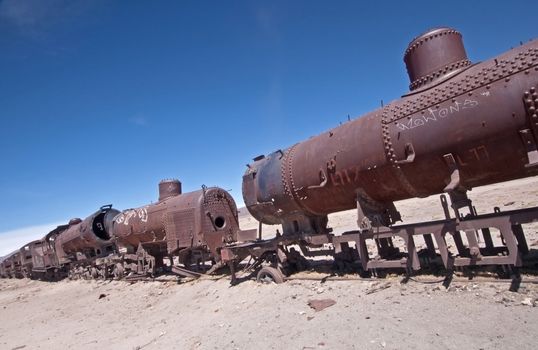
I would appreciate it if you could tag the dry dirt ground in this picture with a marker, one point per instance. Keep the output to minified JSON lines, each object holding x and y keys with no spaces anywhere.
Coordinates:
{"x":210,"y":314}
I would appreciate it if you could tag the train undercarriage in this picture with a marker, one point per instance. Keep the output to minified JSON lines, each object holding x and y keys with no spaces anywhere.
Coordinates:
{"x":148,"y":261}
{"x":495,"y":240}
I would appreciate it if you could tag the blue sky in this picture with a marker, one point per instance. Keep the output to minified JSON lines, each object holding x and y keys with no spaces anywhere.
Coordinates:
{"x":99,"y":100}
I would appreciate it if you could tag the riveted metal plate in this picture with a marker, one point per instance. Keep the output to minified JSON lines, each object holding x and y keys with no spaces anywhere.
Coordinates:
{"x":180,"y":228}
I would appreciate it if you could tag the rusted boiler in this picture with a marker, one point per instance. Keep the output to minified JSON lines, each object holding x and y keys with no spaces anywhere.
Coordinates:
{"x":461,"y":125}
{"x":191,"y":226}
{"x":86,"y":239}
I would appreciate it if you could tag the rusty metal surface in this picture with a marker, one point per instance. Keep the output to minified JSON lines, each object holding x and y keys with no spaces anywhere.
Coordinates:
{"x":182,"y":228}
{"x":188,"y":229}
{"x":5,"y":266}
{"x":476,"y":116}
{"x":198,"y":219}
{"x":44,"y":257}
{"x":144,"y":224}
{"x":169,"y":188}
{"x":87,"y":238}
{"x":469,"y":251}
{"x":26,"y":258}
{"x":11,"y":265}
{"x":434,"y":56}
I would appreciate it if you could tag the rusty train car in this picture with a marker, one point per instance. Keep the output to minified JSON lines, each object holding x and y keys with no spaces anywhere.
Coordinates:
{"x":45,"y":262}
{"x":460,"y":126}
{"x":10,"y":266}
{"x":67,"y":250}
{"x":85,"y":241}
{"x":186,"y":229}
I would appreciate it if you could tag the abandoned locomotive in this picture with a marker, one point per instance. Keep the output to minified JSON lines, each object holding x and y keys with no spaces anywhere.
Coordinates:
{"x":187,"y":229}
{"x":462,"y":125}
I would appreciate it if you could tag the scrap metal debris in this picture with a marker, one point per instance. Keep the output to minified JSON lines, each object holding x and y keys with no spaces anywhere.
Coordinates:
{"x":376,"y":287}
{"x":320,"y":304}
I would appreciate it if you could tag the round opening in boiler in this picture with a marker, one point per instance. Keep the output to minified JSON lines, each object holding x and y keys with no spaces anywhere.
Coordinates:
{"x":220,"y":222}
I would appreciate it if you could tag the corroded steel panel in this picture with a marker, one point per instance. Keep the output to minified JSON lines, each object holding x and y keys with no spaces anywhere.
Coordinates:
{"x":144,"y":224}
{"x":180,"y":228}
{"x":169,"y":188}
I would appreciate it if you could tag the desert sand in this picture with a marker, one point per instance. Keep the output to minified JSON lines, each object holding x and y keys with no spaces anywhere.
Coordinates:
{"x":208,"y":313}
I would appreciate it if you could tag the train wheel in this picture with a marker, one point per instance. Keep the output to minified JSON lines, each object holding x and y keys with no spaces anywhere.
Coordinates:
{"x":268,"y":274}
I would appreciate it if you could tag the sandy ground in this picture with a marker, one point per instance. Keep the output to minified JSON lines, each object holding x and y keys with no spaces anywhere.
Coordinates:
{"x":210,"y":314}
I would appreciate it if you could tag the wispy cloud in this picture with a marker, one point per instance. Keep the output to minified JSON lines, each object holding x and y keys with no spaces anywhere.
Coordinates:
{"x":35,"y":18}
{"x":23,"y":13}
{"x":15,"y":239}
{"x":138,"y":120}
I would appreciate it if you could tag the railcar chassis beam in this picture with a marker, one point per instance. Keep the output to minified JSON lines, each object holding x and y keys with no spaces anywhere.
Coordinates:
{"x":471,"y":236}
{"x":479,"y":248}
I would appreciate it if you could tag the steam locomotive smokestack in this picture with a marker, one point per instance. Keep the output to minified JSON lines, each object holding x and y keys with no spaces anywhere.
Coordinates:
{"x":434,"y":56}
{"x":169,"y":188}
